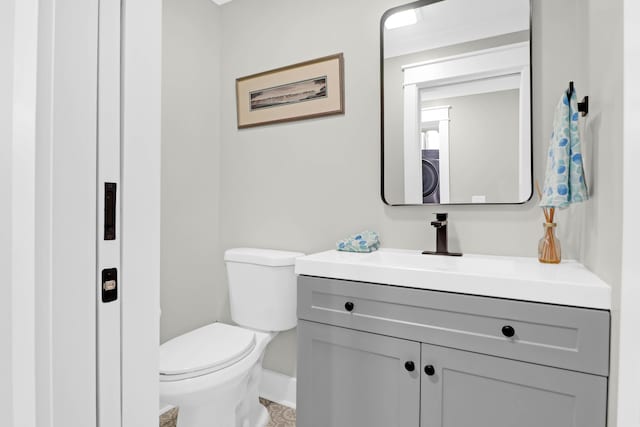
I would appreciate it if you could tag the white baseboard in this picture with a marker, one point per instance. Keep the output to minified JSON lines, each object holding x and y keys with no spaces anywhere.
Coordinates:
{"x":165,"y":408}
{"x":278,"y":388}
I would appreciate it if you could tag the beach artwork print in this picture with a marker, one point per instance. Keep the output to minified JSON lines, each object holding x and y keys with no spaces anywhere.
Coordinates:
{"x":289,"y":93}
{"x":300,"y":91}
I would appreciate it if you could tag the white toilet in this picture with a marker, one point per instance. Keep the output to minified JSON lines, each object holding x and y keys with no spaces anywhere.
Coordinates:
{"x":212,"y":373}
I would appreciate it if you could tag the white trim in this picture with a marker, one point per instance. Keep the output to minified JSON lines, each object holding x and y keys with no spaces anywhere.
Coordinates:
{"x":503,"y":60}
{"x":441,"y":116}
{"x":164,"y":409}
{"x":525,"y":186}
{"x":140,"y":224}
{"x":44,"y":218}
{"x":435,"y":114}
{"x":6,"y":259}
{"x":22,"y":205}
{"x":473,"y":87}
{"x":412,"y":154}
{"x":278,"y":388}
{"x":628,"y":410}
{"x":108,"y":322}
{"x":444,"y":163}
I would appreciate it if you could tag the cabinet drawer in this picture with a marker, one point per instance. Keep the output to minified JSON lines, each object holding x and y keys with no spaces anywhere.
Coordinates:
{"x":565,"y":337}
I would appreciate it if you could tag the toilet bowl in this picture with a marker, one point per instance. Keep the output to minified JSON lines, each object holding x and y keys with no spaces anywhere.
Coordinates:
{"x":213,"y":373}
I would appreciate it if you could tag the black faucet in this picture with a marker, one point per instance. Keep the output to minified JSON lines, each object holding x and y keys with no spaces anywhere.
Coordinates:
{"x":442,"y":243}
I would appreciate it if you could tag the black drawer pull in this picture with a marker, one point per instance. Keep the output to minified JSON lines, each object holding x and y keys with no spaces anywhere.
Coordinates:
{"x":349,"y":306}
{"x":429,"y":370}
{"x":409,"y":366}
{"x":508,"y":331}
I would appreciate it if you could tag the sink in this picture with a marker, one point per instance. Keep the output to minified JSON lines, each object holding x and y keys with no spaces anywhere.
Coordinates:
{"x":520,"y":278}
{"x":395,"y":258}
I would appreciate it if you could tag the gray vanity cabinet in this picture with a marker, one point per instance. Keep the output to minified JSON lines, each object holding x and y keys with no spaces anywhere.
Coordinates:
{"x":475,"y":390}
{"x":474,"y":361}
{"x":348,"y":378}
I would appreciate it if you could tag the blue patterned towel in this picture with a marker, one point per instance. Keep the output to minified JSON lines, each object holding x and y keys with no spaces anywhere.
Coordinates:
{"x":564,"y":181}
{"x":367,"y":241}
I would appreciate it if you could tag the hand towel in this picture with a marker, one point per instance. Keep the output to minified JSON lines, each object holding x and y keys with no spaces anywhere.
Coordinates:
{"x":564,"y":181}
{"x":367,"y":241}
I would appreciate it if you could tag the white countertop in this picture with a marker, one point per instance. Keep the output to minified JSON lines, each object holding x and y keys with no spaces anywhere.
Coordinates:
{"x":519,"y":278}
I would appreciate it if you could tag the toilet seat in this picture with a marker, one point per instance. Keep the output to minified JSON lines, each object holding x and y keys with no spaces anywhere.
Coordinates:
{"x":205,"y":350}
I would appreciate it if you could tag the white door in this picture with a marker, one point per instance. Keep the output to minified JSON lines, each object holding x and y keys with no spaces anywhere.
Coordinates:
{"x":49,"y":211}
{"x":68,"y":357}
{"x":66,"y":212}
{"x":78,"y":139}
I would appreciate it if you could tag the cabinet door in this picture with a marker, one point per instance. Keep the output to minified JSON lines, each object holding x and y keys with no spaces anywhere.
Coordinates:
{"x":348,"y":378}
{"x":474,"y":390}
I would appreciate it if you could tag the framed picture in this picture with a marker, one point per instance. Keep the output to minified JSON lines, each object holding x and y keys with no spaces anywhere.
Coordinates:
{"x":300,"y":91}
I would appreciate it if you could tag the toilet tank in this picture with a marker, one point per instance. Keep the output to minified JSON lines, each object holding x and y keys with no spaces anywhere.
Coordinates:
{"x":262,"y":288}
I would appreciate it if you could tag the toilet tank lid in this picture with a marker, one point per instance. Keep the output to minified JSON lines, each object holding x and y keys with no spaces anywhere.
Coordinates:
{"x":267,"y":257}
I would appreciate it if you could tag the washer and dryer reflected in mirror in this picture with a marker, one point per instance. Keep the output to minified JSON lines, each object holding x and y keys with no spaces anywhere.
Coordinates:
{"x":456,"y":93}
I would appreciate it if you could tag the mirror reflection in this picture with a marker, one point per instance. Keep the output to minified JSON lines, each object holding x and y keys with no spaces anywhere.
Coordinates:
{"x":457,"y":102}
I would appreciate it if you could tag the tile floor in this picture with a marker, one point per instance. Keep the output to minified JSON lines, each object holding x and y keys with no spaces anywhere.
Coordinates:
{"x":281,"y":416}
{"x":169,"y":418}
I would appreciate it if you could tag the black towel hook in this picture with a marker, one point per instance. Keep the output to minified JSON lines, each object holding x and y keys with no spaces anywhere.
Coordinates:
{"x":583,"y":106}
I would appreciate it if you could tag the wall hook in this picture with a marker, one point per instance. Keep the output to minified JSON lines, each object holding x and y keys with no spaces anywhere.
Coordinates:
{"x":583,"y":106}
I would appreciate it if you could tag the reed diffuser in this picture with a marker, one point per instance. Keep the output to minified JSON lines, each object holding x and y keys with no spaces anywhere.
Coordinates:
{"x":549,"y":245}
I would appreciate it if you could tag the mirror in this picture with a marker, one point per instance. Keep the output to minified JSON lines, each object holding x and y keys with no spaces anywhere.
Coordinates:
{"x":456,"y":110}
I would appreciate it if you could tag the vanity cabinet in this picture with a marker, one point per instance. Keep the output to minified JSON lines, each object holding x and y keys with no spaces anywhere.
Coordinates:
{"x":349,"y":378}
{"x":468,"y":389}
{"x":379,"y":355}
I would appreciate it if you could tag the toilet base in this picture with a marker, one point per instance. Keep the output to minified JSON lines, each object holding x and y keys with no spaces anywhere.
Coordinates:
{"x":225,"y":398}
{"x":263,"y":418}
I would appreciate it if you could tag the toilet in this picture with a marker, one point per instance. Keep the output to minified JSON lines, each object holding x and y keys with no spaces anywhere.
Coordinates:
{"x":213,"y":373}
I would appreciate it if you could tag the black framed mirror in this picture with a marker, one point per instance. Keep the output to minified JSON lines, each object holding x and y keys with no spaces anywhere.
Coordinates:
{"x":456,"y":102}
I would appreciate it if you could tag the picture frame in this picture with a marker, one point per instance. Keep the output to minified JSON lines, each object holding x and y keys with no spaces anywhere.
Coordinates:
{"x":300,"y":91}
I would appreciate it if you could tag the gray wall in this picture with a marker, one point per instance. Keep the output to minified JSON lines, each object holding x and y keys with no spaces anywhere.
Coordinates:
{"x":483,"y":146}
{"x":190,"y":165}
{"x":303,"y":185}
{"x":601,"y":235}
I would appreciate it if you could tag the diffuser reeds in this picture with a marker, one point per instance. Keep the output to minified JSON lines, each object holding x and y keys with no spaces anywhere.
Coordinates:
{"x":549,"y":246}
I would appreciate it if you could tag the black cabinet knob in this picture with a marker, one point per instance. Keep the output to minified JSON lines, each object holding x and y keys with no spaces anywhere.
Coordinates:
{"x":349,"y":306}
{"x":508,"y":331}
{"x":409,"y":366}
{"x":429,"y":370}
